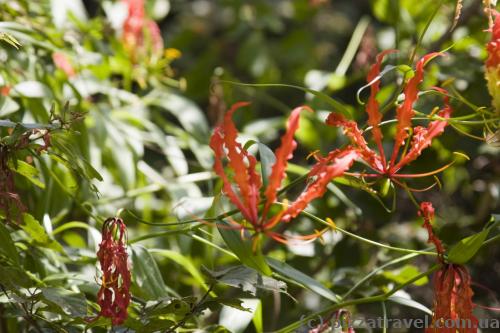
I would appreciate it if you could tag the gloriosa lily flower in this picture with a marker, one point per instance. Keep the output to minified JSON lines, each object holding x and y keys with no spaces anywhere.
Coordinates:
{"x":249,"y":182}
{"x":452,"y":292}
{"x":492,"y":72}
{"x":422,"y":136}
{"x":138,"y":28}
{"x":114,"y":295}
{"x":62,"y":62}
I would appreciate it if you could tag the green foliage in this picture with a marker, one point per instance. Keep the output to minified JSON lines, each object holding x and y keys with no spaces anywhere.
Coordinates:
{"x":91,"y":128}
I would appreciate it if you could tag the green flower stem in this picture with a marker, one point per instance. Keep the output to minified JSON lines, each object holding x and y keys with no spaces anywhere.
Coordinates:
{"x":379,"y":269}
{"x":371,"y":299}
{"x":365,"y":240}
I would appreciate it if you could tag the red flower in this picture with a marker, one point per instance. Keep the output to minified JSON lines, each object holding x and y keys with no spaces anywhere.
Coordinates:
{"x":137,"y":28}
{"x":114,"y":294}
{"x":249,"y":182}
{"x":62,"y":62}
{"x":5,"y":90}
{"x":493,"y":62}
{"x":452,"y":293}
{"x":422,"y":136}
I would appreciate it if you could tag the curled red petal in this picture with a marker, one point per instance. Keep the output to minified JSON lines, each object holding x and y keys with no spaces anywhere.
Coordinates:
{"x":423,"y":136}
{"x":283,"y":154}
{"x":355,"y":135}
{"x":372,"y":107}
{"x":217,"y":145}
{"x":404,"y":113}
{"x":427,"y":213}
{"x":321,"y":174}
{"x":246,"y":177}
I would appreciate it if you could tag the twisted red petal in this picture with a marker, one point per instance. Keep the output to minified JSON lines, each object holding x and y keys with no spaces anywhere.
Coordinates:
{"x":334,"y":165}
{"x":404,"y":113}
{"x":422,"y":137}
{"x":352,"y":131}
{"x":372,"y":108}
{"x":283,"y":154}
{"x":246,"y":178}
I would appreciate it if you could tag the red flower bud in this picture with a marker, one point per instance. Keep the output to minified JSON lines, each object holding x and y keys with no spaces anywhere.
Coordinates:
{"x":114,"y":295}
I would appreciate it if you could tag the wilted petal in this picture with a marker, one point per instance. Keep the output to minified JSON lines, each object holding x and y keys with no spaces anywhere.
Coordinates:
{"x":283,"y":154}
{"x":320,"y":175}
{"x":352,"y":131}
{"x":453,"y":301}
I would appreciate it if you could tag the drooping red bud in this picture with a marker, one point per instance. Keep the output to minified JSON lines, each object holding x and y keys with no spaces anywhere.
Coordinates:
{"x":114,"y":294}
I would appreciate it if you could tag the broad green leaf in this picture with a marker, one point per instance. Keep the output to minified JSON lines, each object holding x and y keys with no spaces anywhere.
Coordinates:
{"x":71,"y":303}
{"x":303,"y":279}
{"x":28,"y":171}
{"x":7,"y":247}
{"x":267,"y":160}
{"x":247,"y":279}
{"x":243,"y":249}
{"x":146,"y":274}
{"x":407,"y":272}
{"x":31,"y":89}
{"x":38,"y":234}
{"x":464,"y":250}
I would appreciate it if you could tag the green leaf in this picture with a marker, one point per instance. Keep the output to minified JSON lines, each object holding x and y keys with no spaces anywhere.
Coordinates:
{"x":243,"y":249}
{"x":147,"y":275}
{"x":267,"y":160}
{"x":183,"y":261}
{"x":39,"y":237}
{"x":406,"y":273}
{"x":28,"y":171}
{"x":71,"y":303}
{"x":302,"y":279}
{"x":247,"y":279}
{"x":236,"y":320}
{"x":7,"y":247}
{"x":464,"y":250}
{"x":31,"y":89}
{"x":410,"y":303}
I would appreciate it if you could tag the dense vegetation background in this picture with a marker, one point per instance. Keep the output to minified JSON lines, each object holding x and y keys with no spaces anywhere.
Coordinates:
{"x":112,"y":128}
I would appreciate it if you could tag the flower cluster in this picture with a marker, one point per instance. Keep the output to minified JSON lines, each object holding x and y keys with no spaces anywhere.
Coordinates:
{"x":247,"y":194}
{"x":114,"y":295}
{"x":452,"y":291}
